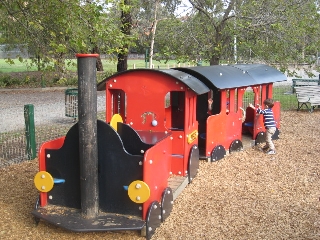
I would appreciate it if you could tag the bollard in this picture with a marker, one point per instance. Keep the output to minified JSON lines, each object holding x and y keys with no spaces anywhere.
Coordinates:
{"x":88,"y":142}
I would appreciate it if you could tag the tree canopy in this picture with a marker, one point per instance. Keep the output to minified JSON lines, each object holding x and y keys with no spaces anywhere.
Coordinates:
{"x":55,"y":30}
{"x":278,"y":32}
{"x":274,"y":31}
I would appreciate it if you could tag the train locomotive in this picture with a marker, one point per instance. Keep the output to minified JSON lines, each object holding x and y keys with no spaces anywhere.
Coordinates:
{"x":157,"y":128}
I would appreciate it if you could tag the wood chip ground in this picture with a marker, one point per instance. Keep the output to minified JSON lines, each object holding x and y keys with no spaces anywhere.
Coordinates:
{"x":247,"y":195}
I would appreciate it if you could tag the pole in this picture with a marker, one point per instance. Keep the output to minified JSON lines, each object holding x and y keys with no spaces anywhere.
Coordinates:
{"x":30,"y":131}
{"x":146,"y":57}
{"x":235,"y":37}
{"x":88,"y":142}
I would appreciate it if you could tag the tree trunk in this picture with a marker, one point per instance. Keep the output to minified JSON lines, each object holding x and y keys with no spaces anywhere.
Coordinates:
{"x":99,"y":65}
{"x":39,"y":62}
{"x":122,"y":62}
{"x":153,"y":34}
{"x":126,"y":23}
{"x":214,"y":60}
{"x":59,"y":66}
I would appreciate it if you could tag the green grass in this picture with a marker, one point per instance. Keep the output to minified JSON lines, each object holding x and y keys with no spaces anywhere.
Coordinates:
{"x":23,"y":75}
{"x":108,"y":65}
{"x":18,"y":66}
{"x":284,"y":95}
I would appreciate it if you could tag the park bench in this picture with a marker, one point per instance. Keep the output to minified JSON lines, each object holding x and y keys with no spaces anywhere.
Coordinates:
{"x":308,"y":95}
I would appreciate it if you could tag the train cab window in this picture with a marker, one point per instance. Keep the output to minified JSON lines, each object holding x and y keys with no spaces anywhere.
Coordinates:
{"x":119,"y":103}
{"x":228,"y":101}
{"x":202,"y":104}
{"x":248,"y":97}
{"x":177,"y":103}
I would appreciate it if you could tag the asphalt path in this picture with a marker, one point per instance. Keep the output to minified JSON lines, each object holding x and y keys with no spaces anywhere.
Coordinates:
{"x":49,"y":107}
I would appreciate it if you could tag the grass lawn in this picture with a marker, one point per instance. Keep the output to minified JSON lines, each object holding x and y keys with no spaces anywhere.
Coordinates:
{"x":110,"y":66}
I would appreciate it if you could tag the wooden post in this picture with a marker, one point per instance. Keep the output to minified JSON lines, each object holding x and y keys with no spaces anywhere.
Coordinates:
{"x":88,"y":142}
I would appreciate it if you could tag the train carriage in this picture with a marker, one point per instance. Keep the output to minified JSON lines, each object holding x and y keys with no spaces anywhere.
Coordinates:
{"x":231,"y":118}
{"x":155,"y":102}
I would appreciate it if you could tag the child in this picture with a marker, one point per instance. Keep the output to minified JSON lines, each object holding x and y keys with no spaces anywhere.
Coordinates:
{"x":269,"y":124}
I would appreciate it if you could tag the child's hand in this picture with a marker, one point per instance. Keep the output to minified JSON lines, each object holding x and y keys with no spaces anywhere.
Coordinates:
{"x":250,"y":105}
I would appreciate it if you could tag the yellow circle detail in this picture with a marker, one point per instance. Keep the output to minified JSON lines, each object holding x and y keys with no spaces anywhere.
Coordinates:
{"x":114,"y":120}
{"x":138,"y":191}
{"x":43,"y":181}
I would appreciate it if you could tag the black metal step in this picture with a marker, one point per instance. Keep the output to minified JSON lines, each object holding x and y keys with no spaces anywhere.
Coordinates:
{"x":73,"y":220}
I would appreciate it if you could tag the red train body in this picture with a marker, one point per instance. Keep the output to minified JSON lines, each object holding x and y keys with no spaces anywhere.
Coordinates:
{"x":160,"y":132}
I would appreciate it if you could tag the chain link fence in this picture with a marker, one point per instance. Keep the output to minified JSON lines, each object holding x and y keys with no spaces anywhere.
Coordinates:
{"x":55,"y":112}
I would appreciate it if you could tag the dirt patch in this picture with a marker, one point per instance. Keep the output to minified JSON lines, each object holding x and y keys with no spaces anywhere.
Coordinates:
{"x":247,"y":195}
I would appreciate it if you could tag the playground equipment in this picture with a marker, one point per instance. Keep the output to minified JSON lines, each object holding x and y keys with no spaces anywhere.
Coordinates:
{"x":124,"y":174}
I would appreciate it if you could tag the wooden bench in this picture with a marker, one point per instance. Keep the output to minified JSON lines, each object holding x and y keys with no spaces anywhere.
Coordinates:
{"x":308,"y":95}
{"x":300,"y":82}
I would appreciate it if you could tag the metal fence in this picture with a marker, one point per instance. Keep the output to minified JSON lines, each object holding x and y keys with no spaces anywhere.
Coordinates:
{"x":52,"y":121}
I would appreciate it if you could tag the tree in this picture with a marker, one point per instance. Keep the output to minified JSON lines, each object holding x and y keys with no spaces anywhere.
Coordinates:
{"x":52,"y":30}
{"x":270,"y":29}
{"x":203,"y":33}
{"x":126,"y":25}
{"x":284,"y":34}
{"x":146,"y":19}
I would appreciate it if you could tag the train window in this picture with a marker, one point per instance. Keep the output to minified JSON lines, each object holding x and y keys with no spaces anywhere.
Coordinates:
{"x":119,"y":102}
{"x":232,"y":100}
{"x":177,"y":101}
{"x":248,"y":97}
{"x":216,"y":97}
{"x":228,"y":101}
{"x":236,"y":104}
{"x":167,"y":100}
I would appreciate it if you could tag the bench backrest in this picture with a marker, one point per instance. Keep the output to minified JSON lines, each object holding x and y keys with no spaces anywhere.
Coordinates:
{"x":308,"y":90}
{"x":305,"y":82}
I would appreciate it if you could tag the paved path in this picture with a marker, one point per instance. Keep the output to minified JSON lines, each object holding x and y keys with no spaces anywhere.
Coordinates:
{"x":49,"y":107}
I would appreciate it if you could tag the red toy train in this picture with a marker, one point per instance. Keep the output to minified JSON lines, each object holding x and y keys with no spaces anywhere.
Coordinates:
{"x":156,"y":130}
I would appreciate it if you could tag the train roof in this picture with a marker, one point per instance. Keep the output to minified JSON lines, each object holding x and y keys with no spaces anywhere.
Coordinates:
{"x":201,"y":78}
{"x":192,"y":82}
{"x":233,"y":76}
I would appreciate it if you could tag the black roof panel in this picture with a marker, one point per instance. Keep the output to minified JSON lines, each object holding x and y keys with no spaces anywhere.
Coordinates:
{"x":192,"y":82}
{"x":233,"y":76}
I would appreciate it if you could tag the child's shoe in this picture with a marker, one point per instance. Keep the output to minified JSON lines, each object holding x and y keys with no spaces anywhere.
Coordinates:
{"x":271,"y":152}
{"x":265,"y":148}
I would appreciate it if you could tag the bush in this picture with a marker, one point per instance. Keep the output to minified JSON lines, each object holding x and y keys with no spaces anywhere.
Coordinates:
{"x":8,"y":81}
{"x":35,"y":79}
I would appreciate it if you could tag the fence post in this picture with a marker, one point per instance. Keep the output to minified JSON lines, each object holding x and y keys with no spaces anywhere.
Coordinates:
{"x":30,"y":131}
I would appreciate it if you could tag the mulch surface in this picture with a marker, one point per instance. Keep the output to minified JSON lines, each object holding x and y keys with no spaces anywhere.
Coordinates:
{"x":246,"y":195}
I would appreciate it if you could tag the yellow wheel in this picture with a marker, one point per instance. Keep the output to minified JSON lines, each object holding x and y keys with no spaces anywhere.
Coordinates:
{"x":138,"y":191}
{"x":114,"y":120}
{"x":43,"y":181}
